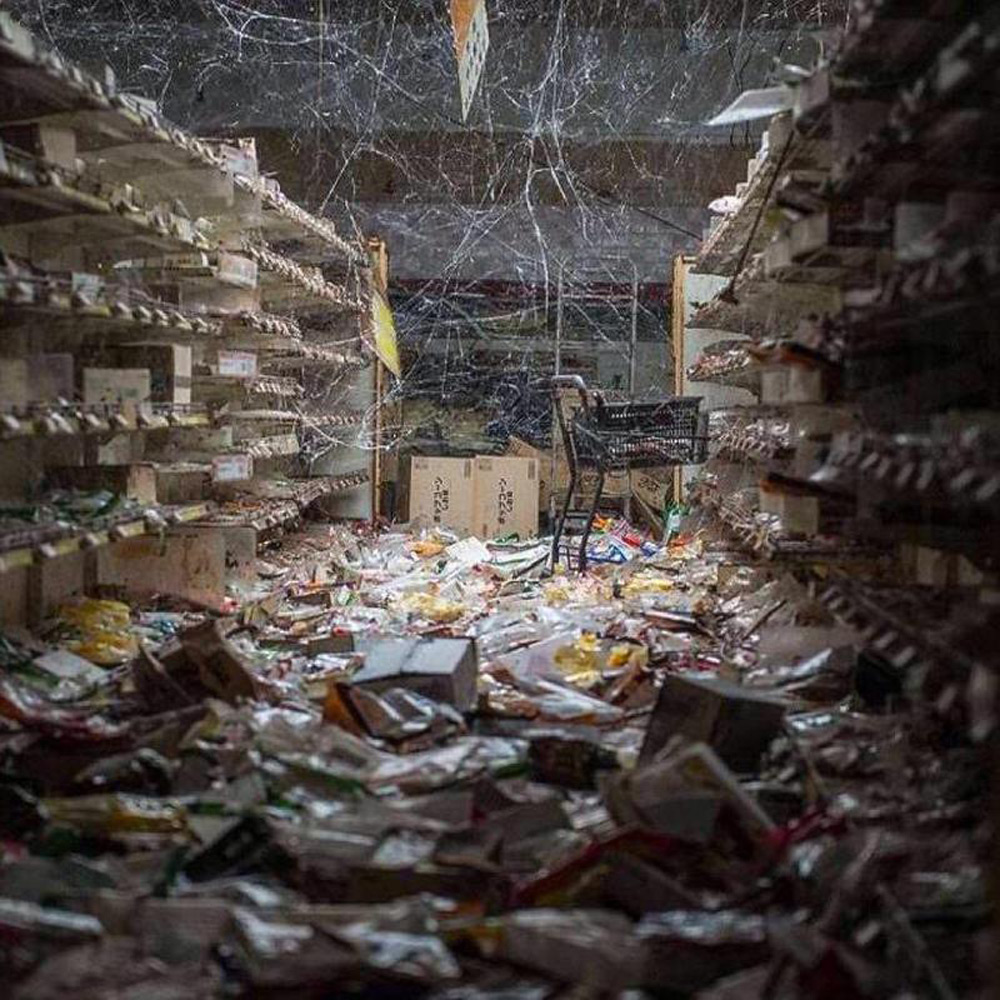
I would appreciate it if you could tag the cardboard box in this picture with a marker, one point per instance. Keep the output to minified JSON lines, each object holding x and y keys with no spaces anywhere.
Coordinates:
{"x":687,"y":955}
{"x":654,"y":487}
{"x":13,"y":383}
{"x":51,"y":143}
{"x":691,"y":795}
{"x":805,"y":385}
{"x":593,"y":947}
{"x":50,"y":377}
{"x":241,"y":157}
{"x":241,"y":272}
{"x":616,"y":484}
{"x":738,"y":723}
{"x":506,"y":491}
{"x":444,"y":670}
{"x":773,"y":386}
{"x":189,"y":563}
{"x":116,"y":385}
{"x":169,"y":369}
{"x":232,"y":468}
{"x":181,"y":484}
{"x":799,"y":515}
{"x":443,"y":491}
{"x":137,"y":482}
{"x":521,"y":449}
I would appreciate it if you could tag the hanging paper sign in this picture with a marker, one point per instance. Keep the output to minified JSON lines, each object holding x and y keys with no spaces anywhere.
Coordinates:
{"x":385,"y":334}
{"x":472,"y":42}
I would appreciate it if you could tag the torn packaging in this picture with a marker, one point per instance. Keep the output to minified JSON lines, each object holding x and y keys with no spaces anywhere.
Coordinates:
{"x":694,"y":797}
{"x":202,"y":663}
{"x":220,"y":666}
{"x":737,"y":722}
{"x":596,"y":947}
{"x":406,"y":718}
{"x":688,"y":950}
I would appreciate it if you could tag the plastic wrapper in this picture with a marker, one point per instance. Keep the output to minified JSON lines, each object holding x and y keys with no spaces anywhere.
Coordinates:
{"x":642,"y":584}
{"x":114,"y":814}
{"x":275,"y":954}
{"x":418,"y":957}
{"x":465,"y":759}
{"x":433,"y":607}
{"x":18,"y":917}
{"x":143,"y":772}
{"x":104,"y":631}
{"x":25,"y":706}
{"x":691,"y":949}
{"x":583,"y":946}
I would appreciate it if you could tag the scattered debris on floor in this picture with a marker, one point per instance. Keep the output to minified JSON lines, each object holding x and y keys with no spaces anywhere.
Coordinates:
{"x":414,"y":765}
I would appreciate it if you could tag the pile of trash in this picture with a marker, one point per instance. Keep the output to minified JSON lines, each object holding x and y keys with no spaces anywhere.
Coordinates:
{"x":414,"y":765}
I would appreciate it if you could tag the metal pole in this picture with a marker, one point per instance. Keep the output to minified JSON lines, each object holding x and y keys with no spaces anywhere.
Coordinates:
{"x":559,"y":322}
{"x":635,"y":331}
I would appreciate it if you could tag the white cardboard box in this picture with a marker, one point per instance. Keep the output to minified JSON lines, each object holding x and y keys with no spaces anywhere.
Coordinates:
{"x":506,"y":492}
{"x":442,"y":490}
{"x":116,"y":385}
{"x":799,"y":515}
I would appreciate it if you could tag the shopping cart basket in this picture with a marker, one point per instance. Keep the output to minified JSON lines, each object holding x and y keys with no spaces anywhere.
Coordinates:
{"x":610,"y":437}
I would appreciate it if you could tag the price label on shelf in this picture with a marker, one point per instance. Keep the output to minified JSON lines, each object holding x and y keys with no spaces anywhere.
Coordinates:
{"x":242,"y":364}
{"x":232,"y":468}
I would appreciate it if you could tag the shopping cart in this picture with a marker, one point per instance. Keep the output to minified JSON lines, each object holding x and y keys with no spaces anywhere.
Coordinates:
{"x":610,"y":437}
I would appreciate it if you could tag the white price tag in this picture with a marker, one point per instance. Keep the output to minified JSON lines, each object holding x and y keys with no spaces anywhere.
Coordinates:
{"x":232,"y":468}
{"x":242,"y":364}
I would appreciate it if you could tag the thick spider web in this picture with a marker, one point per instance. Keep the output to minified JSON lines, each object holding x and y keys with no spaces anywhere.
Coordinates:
{"x":582,"y":170}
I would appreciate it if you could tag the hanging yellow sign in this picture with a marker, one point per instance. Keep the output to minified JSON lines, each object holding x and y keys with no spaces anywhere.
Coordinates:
{"x":385,"y":334}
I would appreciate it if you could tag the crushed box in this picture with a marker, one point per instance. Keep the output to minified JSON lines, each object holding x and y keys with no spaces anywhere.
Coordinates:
{"x":737,"y":722}
{"x":442,"y":669}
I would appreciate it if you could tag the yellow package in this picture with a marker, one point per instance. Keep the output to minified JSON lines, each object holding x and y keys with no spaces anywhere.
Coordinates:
{"x":426,"y":549}
{"x":104,"y":629}
{"x":580,"y":661}
{"x":647,"y":585}
{"x":434,"y":608}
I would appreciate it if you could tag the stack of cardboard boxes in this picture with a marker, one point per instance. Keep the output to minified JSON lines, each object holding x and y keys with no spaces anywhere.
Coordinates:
{"x":486,"y":496}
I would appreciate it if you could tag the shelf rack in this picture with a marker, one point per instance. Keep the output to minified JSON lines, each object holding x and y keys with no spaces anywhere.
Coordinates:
{"x":876,"y":283}
{"x":42,"y":543}
{"x":127,"y":243}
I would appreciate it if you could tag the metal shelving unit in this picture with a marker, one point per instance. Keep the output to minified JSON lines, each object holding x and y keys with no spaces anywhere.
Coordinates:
{"x":123,"y":236}
{"x":866,"y":324}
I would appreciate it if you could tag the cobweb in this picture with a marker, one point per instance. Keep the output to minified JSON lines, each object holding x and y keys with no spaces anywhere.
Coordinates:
{"x":554,"y":212}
